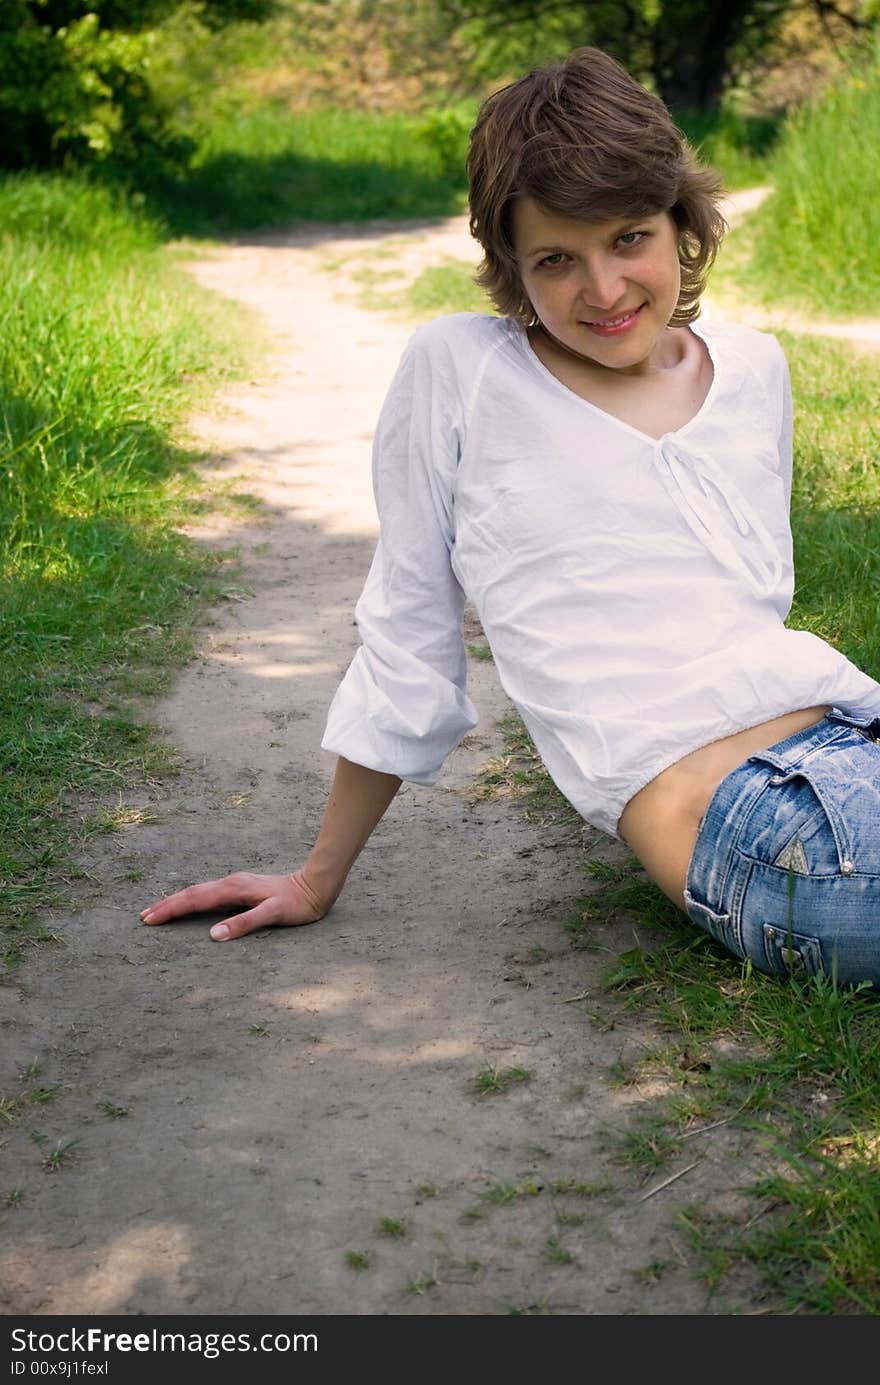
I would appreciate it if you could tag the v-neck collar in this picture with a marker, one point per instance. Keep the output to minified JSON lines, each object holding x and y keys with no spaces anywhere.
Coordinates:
{"x":697,"y":328}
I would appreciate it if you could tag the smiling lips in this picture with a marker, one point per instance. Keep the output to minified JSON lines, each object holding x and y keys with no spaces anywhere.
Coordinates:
{"x":611,"y":326}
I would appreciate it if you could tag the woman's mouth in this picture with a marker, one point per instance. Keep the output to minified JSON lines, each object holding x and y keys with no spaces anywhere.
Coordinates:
{"x":613,"y":326}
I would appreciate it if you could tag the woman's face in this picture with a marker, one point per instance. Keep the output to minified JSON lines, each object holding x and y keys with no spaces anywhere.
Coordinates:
{"x":604,"y":290}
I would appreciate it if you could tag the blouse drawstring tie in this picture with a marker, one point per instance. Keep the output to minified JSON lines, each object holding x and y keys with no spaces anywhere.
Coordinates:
{"x":708,"y":500}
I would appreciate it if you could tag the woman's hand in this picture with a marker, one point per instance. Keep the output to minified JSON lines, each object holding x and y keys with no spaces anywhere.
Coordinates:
{"x":358,"y":798}
{"x":271,"y":899}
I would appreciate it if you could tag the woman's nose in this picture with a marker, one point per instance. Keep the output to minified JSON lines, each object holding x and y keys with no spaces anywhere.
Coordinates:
{"x":602,"y":286}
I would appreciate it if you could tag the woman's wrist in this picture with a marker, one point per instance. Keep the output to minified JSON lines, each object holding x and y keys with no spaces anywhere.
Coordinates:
{"x":357,"y":800}
{"x":322,"y":885}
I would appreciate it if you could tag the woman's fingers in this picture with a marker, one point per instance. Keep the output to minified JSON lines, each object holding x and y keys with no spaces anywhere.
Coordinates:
{"x":195,"y":899}
{"x":274,"y":899}
{"x":261,"y":917}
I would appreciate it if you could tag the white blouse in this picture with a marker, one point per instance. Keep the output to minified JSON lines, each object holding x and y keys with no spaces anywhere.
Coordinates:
{"x":633,"y":590}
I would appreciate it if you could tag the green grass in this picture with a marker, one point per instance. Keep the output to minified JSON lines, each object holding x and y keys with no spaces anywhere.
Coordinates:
{"x":797,"y":1063}
{"x":520,"y":773}
{"x":556,"y":1253}
{"x":494,"y":1079}
{"x":566,"y":1218}
{"x":812,"y":244}
{"x":64,"y":1154}
{"x":267,"y":166}
{"x":393,"y":1227}
{"x":499,"y":1194}
{"x":105,"y":344}
{"x":112,"y":1110}
{"x":836,"y":496}
{"x":480,"y":651}
{"x":447,"y":288}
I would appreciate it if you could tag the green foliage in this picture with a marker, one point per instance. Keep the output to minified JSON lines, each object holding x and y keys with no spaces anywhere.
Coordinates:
{"x":510,"y":40}
{"x":688,"y":51}
{"x":75,"y":80}
{"x":446,"y":131}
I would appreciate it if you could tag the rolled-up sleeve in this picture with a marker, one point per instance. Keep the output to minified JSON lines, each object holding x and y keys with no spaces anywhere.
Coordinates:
{"x":402,"y":706}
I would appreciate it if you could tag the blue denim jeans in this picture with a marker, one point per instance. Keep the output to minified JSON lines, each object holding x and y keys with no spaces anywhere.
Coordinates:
{"x":786,"y":866}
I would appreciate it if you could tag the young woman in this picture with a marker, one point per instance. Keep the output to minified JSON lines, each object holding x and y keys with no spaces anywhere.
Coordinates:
{"x":609,"y":483}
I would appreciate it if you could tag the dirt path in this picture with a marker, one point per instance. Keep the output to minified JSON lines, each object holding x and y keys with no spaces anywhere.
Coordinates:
{"x":286,"y":1094}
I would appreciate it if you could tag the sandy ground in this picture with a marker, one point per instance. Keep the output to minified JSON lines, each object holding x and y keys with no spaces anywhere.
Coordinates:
{"x":285,"y":1095}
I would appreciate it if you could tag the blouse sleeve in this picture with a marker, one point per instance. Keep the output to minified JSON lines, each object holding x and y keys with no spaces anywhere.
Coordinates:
{"x":786,"y":425}
{"x":402,"y":706}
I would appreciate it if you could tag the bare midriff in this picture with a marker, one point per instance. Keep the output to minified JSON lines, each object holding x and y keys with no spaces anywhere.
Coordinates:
{"x":660,"y":824}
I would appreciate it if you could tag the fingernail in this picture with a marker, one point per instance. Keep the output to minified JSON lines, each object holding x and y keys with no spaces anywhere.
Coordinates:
{"x":147,"y":916}
{"x":220,"y":932}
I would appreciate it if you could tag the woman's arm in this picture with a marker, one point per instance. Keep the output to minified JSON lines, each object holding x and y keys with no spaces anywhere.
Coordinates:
{"x":357,"y":801}
{"x":402,"y":706}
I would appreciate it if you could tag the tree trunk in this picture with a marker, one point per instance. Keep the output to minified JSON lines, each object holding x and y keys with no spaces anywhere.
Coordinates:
{"x":692,"y":46}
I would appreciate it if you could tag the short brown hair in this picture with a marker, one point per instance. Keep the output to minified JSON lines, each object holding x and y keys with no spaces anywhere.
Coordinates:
{"x":585,"y":140}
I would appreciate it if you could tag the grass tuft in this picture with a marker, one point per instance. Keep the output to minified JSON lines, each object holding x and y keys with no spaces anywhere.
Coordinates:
{"x":393,"y":1227}
{"x":499,"y":1194}
{"x":490,"y":1080}
{"x":112,"y":1110}
{"x":63,"y":1154}
{"x":556,"y":1253}
{"x":421,"y":1284}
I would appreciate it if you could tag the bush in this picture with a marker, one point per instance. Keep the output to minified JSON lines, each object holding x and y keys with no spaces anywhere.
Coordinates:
{"x":74,"y":80}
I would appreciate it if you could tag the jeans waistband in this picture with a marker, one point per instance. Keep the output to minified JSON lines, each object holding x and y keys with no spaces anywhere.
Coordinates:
{"x":713,"y":857}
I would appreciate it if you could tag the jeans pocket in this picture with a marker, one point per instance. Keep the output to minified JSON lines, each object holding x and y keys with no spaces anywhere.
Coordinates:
{"x":798,"y":827}
{"x":721,"y":927}
{"x":819,"y":800}
{"x":791,"y":954}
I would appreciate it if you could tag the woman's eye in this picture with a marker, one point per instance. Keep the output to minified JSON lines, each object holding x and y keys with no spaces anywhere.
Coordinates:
{"x":630,"y":238}
{"x":551,"y":261}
